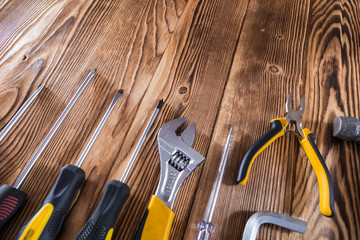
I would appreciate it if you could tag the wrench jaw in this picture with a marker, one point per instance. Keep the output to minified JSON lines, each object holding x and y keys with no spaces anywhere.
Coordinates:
{"x":171,"y":175}
{"x":177,"y":159}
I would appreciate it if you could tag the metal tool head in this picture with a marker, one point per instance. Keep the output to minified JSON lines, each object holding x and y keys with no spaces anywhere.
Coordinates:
{"x":295,"y":116}
{"x":347,"y":128}
{"x":177,"y":158}
{"x":257,"y":219}
{"x":168,"y":131}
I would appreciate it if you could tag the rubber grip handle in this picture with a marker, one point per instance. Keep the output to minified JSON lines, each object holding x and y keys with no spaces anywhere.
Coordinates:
{"x":277,"y":129}
{"x":47,"y":221}
{"x":326,"y":188}
{"x":100,"y":226}
{"x":157,"y":221}
{"x":10,"y":201}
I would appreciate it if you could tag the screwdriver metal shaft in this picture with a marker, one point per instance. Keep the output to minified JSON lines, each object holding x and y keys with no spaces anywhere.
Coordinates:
{"x":205,"y":227}
{"x":141,"y":141}
{"x":98,"y":129}
{"x":53,"y":210}
{"x":11,"y":197}
{"x":52,"y":131}
{"x":100,"y":226}
{"x":20,"y":112}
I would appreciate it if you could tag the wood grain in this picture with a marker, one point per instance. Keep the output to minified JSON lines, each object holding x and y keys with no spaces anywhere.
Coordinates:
{"x":332,"y":86}
{"x":215,"y":62}
{"x":268,"y":63}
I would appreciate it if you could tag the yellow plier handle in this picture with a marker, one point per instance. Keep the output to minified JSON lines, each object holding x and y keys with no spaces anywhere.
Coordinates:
{"x":157,"y":221}
{"x":326,"y":189}
{"x":277,"y":129}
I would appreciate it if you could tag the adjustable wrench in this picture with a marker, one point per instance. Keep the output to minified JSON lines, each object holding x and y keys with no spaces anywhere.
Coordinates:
{"x":177,"y":160}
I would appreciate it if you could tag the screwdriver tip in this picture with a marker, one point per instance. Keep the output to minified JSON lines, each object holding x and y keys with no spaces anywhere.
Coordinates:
{"x":160,"y":104}
{"x":92,"y":72}
{"x":232,"y":130}
{"x":117,"y":96}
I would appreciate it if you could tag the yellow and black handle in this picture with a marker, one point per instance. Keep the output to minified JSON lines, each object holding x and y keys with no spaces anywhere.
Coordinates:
{"x":10,"y":201}
{"x":277,"y":129}
{"x":157,"y":221}
{"x":101,"y":224}
{"x":326,"y":189}
{"x":47,"y":221}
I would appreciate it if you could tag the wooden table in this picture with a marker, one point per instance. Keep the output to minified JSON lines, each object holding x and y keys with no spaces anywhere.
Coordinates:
{"x":215,"y":62}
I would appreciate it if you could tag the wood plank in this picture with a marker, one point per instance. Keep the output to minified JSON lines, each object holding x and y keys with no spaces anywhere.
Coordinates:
{"x":180,"y":68}
{"x":268,"y":64}
{"x":118,"y":57}
{"x":332,"y":83}
{"x":216,"y":62}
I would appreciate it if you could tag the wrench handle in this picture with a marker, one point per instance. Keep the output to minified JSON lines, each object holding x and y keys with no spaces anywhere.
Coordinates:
{"x":157,"y":221}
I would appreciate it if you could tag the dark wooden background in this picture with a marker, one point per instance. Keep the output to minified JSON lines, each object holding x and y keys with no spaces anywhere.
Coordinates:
{"x":216,"y":62}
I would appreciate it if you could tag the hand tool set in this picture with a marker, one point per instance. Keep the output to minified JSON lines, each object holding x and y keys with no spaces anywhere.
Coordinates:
{"x":47,"y":221}
{"x":11,"y":197}
{"x":177,"y":161}
{"x":101,"y":223}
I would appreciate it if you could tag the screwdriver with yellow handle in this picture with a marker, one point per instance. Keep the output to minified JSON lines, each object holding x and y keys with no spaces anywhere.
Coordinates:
{"x":11,"y":197}
{"x":47,"y":221}
{"x":307,"y":141}
{"x":100,"y":226}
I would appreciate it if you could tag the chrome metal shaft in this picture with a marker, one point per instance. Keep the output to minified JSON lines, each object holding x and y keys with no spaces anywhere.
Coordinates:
{"x":52,"y":131}
{"x":19,"y":113}
{"x":98,"y":129}
{"x":141,"y":142}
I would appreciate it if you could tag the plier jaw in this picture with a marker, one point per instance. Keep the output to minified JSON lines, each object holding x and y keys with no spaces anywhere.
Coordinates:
{"x":295,"y":116}
{"x":307,"y":140}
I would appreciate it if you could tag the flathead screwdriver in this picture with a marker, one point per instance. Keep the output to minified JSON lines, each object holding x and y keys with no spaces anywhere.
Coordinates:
{"x":47,"y":221}
{"x":205,"y":227}
{"x":11,"y":197}
{"x":100,"y":226}
{"x":20,"y":112}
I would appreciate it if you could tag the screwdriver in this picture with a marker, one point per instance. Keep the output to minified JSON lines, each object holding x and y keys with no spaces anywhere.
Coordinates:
{"x":100,"y":226}
{"x":11,"y":197}
{"x":47,"y":221}
{"x":19,"y":113}
{"x":205,"y":227}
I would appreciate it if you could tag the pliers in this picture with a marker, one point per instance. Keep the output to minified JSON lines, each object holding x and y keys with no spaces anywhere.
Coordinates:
{"x":278,"y":127}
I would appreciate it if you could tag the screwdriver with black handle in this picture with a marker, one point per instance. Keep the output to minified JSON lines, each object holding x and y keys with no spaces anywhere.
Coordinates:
{"x":100,"y":226}
{"x":47,"y":221}
{"x":11,"y":197}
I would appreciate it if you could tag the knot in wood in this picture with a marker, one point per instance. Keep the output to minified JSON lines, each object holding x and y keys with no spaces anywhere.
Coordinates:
{"x":274,"y":69}
{"x":279,"y":37}
{"x":183,"y":90}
